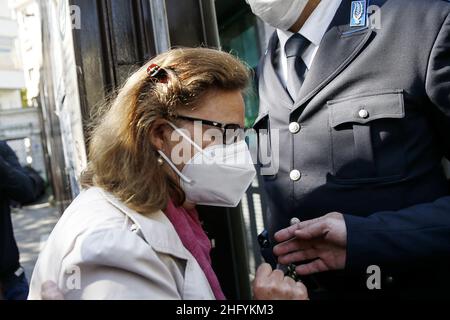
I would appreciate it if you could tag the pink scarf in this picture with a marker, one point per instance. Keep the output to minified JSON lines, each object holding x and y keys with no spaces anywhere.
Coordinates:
{"x":194,"y":238}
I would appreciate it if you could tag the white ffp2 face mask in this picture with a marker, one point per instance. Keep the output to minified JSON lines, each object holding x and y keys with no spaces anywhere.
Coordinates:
{"x":280,"y":14}
{"x":218,"y":175}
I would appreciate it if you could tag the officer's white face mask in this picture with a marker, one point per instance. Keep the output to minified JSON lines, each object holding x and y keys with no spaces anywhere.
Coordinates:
{"x":218,"y":175}
{"x":280,"y":14}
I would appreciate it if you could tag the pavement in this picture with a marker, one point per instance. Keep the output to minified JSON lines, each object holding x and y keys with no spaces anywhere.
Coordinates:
{"x":32,"y":226}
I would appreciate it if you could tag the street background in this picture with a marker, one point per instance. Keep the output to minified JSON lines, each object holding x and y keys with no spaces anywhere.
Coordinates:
{"x":32,"y":226}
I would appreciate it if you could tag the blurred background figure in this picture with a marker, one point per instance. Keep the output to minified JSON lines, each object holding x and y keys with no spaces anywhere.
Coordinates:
{"x":22,"y":147}
{"x":21,"y":186}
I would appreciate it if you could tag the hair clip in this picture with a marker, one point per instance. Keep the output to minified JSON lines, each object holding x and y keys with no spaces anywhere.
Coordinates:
{"x":157,"y":73}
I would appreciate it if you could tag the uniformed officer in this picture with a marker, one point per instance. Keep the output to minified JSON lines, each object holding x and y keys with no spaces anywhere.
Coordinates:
{"x":362,"y":111}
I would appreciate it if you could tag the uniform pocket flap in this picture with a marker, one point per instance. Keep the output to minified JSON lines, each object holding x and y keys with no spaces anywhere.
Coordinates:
{"x":365,"y":108}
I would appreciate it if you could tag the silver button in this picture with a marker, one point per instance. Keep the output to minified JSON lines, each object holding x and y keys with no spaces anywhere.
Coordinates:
{"x":134,"y":228}
{"x":295,"y":175}
{"x":363,"y":113}
{"x":294,"y":127}
{"x":295,"y":221}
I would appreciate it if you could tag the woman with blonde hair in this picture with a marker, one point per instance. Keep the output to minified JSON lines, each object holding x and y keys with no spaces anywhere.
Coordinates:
{"x":133,"y":232}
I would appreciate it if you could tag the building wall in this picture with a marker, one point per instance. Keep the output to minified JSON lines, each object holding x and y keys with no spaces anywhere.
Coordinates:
{"x":21,"y":129}
{"x":10,"y":99}
{"x":30,"y":41}
{"x":59,"y":98}
{"x":19,"y":125}
{"x":11,"y":75}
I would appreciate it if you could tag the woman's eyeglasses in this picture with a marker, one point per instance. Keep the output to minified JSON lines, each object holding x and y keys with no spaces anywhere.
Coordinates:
{"x":231,"y":132}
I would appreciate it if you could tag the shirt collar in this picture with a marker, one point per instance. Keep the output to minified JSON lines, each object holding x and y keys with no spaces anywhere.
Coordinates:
{"x":317,"y":24}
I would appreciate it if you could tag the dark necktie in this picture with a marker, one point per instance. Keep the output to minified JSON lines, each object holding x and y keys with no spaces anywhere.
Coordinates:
{"x":295,"y":47}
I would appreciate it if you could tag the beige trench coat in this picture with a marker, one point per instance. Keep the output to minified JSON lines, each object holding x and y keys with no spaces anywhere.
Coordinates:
{"x":101,"y":249}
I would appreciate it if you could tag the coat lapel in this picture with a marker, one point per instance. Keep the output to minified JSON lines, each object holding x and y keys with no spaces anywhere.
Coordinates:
{"x":160,"y":234}
{"x":340,"y":45}
{"x":164,"y":239}
{"x":156,"y":229}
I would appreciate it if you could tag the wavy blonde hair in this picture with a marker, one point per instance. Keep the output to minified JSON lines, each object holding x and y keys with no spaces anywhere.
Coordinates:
{"x":122,"y":159}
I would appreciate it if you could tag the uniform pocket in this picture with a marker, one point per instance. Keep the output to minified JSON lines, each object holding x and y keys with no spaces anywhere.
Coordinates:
{"x":367,"y":137}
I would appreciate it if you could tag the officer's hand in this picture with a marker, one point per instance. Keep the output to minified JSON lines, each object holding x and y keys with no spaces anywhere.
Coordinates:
{"x":321,"y":242}
{"x":273,"y":285}
{"x":50,"y":291}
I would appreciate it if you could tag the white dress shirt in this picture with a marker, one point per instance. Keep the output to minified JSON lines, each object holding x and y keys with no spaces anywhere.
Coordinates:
{"x":314,"y":30}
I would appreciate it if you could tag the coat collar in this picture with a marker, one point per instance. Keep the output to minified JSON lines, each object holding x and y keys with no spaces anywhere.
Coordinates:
{"x":339,"y":47}
{"x":155,"y":227}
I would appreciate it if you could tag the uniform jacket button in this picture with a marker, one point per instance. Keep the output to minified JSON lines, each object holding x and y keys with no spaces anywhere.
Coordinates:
{"x":294,"y":127}
{"x":363,"y":113}
{"x":295,"y":175}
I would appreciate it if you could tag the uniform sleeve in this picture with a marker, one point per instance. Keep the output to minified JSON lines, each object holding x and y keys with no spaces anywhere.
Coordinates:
{"x":116,"y":265}
{"x":438,"y":86}
{"x":419,"y":235}
{"x":413,"y":237}
{"x":14,"y":181}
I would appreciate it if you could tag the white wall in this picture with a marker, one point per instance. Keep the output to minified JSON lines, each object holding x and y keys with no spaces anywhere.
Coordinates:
{"x":9,"y":53}
{"x":4,"y":9}
{"x":11,"y":79}
{"x":28,"y":18}
{"x":18,"y":124}
{"x":10,"y":99}
{"x":8,"y":27}
{"x":11,"y":73}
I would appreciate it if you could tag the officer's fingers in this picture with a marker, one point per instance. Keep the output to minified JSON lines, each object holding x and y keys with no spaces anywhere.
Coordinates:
{"x":288,"y":233}
{"x":50,"y":291}
{"x":288,"y":246}
{"x":263,"y":271}
{"x":312,"y":231}
{"x":298,"y":256}
{"x":315,"y":266}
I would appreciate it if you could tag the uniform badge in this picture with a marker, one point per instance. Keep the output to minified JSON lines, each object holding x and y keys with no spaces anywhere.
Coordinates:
{"x":358,"y":14}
